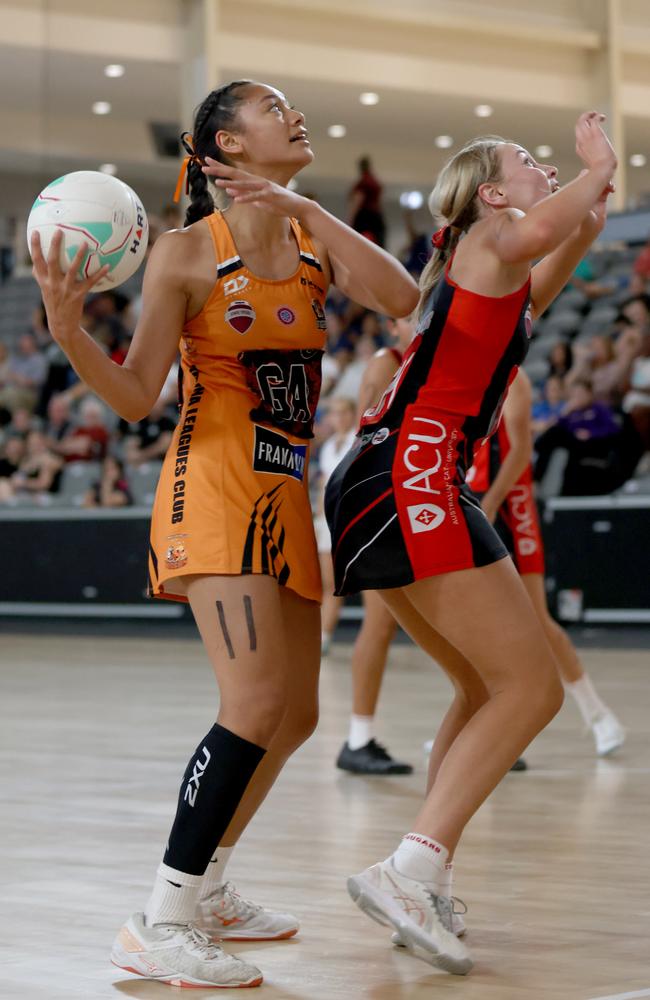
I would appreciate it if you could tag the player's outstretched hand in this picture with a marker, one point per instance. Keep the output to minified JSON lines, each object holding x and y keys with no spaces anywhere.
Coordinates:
{"x":592,"y":145}
{"x":249,"y":189}
{"x":63,"y":293}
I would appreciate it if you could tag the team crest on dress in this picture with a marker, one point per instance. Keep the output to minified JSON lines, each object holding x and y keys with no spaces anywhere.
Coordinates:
{"x":240,"y":315}
{"x":286,"y":315}
{"x":189,"y":345}
{"x":319,"y":313}
{"x":176,"y":554}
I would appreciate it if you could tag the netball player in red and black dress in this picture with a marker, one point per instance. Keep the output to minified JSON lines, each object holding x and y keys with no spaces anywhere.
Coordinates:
{"x":404,"y":521}
{"x":502,"y":476}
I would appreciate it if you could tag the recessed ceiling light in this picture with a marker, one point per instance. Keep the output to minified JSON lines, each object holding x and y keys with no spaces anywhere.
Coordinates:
{"x":638,"y":160}
{"x":483,"y":110}
{"x":411,"y":199}
{"x":101,"y":108}
{"x":336,"y":131}
{"x":108,"y":168}
{"x":443,"y":141}
{"x":369,"y":98}
{"x":114,"y":70}
{"x":543,"y":152}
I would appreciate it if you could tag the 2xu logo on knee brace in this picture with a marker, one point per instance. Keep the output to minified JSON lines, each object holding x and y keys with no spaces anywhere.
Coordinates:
{"x":192,"y":787}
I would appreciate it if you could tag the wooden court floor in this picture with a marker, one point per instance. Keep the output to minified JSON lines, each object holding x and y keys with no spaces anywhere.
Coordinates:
{"x":94,"y":737}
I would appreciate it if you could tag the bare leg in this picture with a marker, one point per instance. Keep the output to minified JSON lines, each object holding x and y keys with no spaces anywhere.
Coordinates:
{"x":370,"y":652}
{"x":269,"y":694}
{"x":486,"y":615}
{"x":302,"y":631}
{"x":565,"y":655}
{"x":332,"y":605}
{"x":470,"y":692}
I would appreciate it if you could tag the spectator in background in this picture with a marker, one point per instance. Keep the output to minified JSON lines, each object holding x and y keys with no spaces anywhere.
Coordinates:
{"x":365,"y":211}
{"x":636,"y":310}
{"x":7,"y":257}
{"x":606,"y":364}
{"x":112,"y":490}
{"x":149,"y":439}
{"x":602,"y":451}
{"x":641,"y":271}
{"x":417,"y":251}
{"x":547,"y":410}
{"x":636,"y":401}
{"x":22,"y":422}
{"x":40,"y":469}
{"x":584,"y":279}
{"x":88,"y":441}
{"x":58,"y":424}
{"x":11,"y":455}
{"x":349,"y":383}
{"x":560,"y":359}
{"x":25,"y":374}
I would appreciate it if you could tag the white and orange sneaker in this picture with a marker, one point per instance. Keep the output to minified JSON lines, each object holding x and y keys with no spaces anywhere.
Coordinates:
{"x":225,"y":915}
{"x":179,"y":955}
{"x":422,"y":919}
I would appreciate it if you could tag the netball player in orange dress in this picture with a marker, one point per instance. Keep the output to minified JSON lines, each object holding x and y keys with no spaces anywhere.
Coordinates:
{"x":404,"y":521}
{"x":241,"y":293}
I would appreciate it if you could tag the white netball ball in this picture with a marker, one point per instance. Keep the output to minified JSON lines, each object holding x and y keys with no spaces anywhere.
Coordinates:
{"x":88,"y":206}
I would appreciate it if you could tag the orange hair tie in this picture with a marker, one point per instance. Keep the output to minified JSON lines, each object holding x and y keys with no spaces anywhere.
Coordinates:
{"x":188,"y":145}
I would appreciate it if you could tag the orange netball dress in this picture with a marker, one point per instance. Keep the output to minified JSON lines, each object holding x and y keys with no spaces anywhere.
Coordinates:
{"x":233,"y":492}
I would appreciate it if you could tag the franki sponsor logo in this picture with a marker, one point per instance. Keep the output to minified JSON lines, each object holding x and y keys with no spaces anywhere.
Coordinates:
{"x":192,"y":786}
{"x":424,"y":448}
{"x":525,"y":530}
{"x":275,"y":454}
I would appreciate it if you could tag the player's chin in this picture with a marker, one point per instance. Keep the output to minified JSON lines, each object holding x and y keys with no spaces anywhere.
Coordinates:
{"x":302,"y":154}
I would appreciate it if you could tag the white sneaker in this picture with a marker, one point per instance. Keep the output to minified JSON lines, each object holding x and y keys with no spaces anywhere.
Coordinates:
{"x":422,"y":919}
{"x":178,"y":954}
{"x":608,"y":734}
{"x":457,"y":923}
{"x":225,"y":914}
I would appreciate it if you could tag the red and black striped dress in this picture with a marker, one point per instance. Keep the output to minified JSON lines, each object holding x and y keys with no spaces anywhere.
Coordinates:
{"x":398,"y":506}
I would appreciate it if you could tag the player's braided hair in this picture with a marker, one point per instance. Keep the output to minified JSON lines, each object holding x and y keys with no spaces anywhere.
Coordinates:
{"x":217,"y":111}
{"x":454,"y":201}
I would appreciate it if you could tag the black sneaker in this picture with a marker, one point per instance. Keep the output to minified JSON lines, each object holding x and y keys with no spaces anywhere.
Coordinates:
{"x":519,"y":765}
{"x":370,"y":759}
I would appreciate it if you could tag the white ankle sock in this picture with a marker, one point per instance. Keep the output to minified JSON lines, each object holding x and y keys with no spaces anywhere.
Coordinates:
{"x":214,"y":873}
{"x":422,"y":858}
{"x":361,"y":727}
{"x":587,"y":700}
{"x":174,"y":897}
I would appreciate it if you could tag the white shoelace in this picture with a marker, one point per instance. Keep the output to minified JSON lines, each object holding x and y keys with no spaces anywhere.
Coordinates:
{"x":201,"y":943}
{"x":240,"y":904}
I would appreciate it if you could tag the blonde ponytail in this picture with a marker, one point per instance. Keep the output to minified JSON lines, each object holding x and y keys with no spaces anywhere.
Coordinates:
{"x":454,"y":203}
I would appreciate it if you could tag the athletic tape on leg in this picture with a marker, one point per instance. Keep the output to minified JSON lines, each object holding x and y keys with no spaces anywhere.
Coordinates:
{"x":213,"y":785}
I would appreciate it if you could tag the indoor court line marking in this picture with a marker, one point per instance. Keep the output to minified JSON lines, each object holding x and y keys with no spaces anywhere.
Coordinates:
{"x":625,"y":996}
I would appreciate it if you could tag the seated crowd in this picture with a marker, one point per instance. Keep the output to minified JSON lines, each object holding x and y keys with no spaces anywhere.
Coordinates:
{"x":592,"y":391}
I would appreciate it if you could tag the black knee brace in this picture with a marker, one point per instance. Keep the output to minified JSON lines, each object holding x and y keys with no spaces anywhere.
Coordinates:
{"x":213,"y":785}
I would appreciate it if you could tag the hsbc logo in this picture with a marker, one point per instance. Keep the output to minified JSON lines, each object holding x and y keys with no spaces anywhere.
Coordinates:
{"x":425,"y":517}
{"x":234,"y":285}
